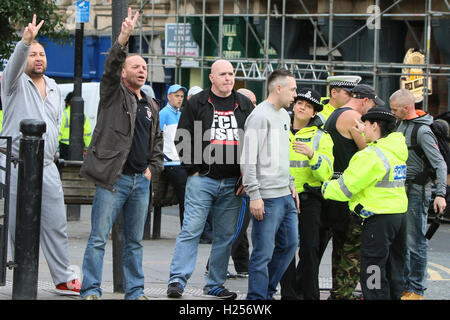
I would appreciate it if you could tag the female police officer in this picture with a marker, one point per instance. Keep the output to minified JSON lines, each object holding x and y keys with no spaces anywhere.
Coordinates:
{"x":311,"y":161}
{"x":374,"y":186}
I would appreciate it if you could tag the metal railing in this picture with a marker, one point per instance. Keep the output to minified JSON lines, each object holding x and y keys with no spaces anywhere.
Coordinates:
{"x":5,"y":173}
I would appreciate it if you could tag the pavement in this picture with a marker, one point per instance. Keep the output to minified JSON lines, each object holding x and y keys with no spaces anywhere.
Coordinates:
{"x":156,"y":261}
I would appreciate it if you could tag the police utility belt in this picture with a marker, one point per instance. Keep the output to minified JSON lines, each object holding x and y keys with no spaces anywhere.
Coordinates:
{"x":336,"y":175}
{"x":359,"y":210}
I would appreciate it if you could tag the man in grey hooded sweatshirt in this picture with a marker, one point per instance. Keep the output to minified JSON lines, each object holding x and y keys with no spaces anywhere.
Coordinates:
{"x":419,"y":192}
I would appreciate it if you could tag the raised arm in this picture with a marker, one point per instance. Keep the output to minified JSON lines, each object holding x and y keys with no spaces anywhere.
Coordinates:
{"x":18,"y":60}
{"x":116,"y":57}
{"x":127,"y":28}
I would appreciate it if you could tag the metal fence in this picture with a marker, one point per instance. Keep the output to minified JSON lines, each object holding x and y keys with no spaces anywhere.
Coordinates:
{"x":5,"y":171}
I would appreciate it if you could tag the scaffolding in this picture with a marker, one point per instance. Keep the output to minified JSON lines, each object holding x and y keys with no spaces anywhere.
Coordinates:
{"x":313,"y":71}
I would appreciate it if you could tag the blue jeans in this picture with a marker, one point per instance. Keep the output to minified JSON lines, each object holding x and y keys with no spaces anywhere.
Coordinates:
{"x":275,"y":240}
{"x":205,"y":195}
{"x":131,"y":195}
{"x":416,"y":243}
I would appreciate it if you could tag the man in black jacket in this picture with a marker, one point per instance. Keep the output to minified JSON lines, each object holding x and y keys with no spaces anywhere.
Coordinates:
{"x":125,"y":151}
{"x":208,"y":140}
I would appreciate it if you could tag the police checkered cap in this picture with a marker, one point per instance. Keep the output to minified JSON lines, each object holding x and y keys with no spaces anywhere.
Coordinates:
{"x":311,"y":96}
{"x":380,"y":114}
{"x":347,"y":82}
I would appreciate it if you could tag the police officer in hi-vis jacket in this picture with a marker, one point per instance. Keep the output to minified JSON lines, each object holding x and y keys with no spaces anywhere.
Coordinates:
{"x":374,"y":186}
{"x":311,"y":161}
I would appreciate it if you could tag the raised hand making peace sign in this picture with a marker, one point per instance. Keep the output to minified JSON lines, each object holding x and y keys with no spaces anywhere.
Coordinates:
{"x":127,"y":28}
{"x":31,"y":31}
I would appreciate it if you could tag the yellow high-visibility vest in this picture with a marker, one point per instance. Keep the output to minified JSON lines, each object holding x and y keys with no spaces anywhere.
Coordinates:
{"x":64,"y":132}
{"x":320,"y":167}
{"x":327,"y":109}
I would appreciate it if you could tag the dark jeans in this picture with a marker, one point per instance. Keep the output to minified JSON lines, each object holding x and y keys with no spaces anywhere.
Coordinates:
{"x":303,"y":281}
{"x":177,"y":177}
{"x":383,"y":248}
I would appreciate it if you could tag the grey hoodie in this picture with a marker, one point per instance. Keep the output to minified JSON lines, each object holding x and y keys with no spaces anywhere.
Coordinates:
{"x":427,"y":141}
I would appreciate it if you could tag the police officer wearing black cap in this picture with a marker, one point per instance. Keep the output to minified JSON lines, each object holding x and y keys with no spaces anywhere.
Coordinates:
{"x":311,"y":162}
{"x":374,"y":186}
{"x":345,"y":228}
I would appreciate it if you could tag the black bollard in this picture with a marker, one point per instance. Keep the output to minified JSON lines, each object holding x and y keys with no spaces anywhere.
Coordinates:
{"x":28,"y":213}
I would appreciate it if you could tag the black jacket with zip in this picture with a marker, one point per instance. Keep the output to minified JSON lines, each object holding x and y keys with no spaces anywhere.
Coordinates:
{"x":194,"y":132}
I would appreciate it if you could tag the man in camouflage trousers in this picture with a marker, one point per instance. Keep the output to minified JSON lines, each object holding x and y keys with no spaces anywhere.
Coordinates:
{"x":346,"y":226}
{"x":346,"y":260}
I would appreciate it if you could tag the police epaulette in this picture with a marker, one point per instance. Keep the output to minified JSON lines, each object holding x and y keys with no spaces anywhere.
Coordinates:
{"x":322,"y":129}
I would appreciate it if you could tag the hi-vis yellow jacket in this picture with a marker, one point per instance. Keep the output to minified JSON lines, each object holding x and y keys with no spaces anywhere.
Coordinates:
{"x":374,"y":181}
{"x":320,"y":167}
{"x":327,"y":109}
{"x":64,"y":132}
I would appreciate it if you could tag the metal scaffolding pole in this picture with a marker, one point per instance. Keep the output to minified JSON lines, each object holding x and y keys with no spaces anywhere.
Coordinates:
{"x":220,"y":28}
{"x":283,"y":22}
{"x":312,"y":71}
{"x":330,"y":37}
{"x":427,"y":41}
{"x":203,"y":41}
{"x":376,"y":51}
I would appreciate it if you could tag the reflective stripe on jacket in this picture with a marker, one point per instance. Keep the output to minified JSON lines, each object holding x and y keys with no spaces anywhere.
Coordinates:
{"x":374,"y":182}
{"x":327,"y":109}
{"x":320,"y":167}
{"x":64,"y":132}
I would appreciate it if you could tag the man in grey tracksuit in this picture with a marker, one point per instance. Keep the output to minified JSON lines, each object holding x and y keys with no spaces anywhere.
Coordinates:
{"x":28,"y":94}
{"x":418,"y":189}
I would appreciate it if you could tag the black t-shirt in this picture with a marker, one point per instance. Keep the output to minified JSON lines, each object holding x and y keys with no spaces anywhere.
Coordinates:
{"x":139,"y":156}
{"x":224,"y":138}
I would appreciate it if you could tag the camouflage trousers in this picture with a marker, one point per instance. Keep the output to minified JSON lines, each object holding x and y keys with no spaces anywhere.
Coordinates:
{"x":346,"y":260}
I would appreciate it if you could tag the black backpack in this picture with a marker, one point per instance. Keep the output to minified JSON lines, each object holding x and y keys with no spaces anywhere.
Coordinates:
{"x":440,"y":129}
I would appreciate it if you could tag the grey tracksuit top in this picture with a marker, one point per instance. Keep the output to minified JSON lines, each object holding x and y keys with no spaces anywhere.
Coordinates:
{"x":21,"y":100}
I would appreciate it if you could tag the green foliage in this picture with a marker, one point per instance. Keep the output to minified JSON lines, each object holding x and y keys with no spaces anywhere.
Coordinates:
{"x":15,"y":14}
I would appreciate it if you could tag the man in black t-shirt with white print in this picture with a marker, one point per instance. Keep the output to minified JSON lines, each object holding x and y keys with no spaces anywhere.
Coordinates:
{"x":208,"y":141}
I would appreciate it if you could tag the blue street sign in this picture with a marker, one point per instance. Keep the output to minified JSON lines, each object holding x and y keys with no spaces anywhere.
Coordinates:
{"x":82,"y":12}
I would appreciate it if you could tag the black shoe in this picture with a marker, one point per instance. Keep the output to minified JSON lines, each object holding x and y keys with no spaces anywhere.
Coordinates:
{"x":242,"y":274}
{"x":222,"y":293}
{"x":175,"y":290}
